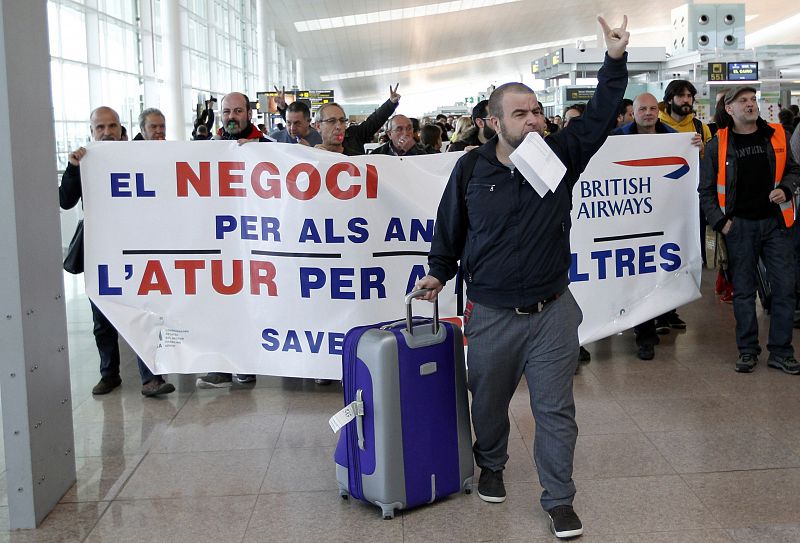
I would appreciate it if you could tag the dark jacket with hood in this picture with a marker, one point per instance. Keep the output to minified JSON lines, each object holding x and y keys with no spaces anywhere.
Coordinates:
{"x":512,"y":243}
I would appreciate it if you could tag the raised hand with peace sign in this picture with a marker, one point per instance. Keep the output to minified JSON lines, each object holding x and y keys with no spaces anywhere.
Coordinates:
{"x":616,"y":38}
{"x":393,"y":96}
{"x":280,"y":100}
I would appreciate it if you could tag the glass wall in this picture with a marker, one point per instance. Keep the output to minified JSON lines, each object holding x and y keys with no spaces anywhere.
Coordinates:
{"x":109,"y":52}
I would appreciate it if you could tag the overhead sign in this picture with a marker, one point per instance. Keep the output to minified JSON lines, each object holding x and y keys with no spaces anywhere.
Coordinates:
{"x":742,"y":71}
{"x":579,"y":95}
{"x":717,"y":71}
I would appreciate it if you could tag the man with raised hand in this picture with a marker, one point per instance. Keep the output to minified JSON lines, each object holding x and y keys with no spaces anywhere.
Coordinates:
{"x":105,"y":126}
{"x":339,"y":136}
{"x":514,"y":252}
{"x":298,"y":127}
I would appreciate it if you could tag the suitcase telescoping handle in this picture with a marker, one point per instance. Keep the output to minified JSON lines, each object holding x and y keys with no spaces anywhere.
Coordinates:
{"x":417,"y":294}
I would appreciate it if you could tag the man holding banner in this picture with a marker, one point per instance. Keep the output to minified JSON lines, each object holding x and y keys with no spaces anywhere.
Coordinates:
{"x":747,"y":179}
{"x":514,"y":251}
{"x":105,"y":126}
{"x":646,"y":121}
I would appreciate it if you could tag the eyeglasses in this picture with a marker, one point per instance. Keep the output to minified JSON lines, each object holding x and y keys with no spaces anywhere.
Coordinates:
{"x":333,"y":121}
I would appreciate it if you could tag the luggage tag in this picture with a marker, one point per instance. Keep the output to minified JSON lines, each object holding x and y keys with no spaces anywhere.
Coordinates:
{"x":346,"y":415}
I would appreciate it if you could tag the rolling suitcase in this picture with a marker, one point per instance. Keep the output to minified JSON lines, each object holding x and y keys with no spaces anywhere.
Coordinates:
{"x":406,"y":439}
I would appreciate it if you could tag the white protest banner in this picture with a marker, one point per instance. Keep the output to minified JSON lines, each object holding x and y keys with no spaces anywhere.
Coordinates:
{"x":635,"y":232}
{"x":255,"y":258}
{"x":210,"y":256}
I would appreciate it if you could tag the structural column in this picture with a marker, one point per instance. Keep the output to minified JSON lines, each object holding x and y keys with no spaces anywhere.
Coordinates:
{"x":34,"y":374}
{"x":172,"y":40}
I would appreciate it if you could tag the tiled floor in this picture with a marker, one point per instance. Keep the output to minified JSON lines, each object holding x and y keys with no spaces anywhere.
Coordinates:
{"x":676,"y":450}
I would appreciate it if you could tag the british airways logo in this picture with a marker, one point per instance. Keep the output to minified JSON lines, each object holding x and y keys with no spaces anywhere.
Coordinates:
{"x":683,"y":166}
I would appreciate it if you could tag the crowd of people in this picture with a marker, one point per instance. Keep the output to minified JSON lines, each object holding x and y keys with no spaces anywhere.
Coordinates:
{"x":520,"y":318}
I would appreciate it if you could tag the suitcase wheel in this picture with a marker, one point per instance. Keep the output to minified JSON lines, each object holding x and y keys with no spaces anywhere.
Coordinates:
{"x":467,"y":491}
{"x":343,"y":494}
{"x":388,"y":512}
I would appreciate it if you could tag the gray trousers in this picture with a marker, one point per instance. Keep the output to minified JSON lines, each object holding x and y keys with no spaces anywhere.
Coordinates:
{"x":544,"y":347}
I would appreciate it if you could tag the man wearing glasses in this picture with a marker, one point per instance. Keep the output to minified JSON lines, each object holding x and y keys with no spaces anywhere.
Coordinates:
{"x":401,"y":139}
{"x":338,"y":136}
{"x":478,"y":134}
{"x":512,"y":246}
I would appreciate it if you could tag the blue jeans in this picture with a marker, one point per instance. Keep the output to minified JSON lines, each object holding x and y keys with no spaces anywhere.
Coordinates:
{"x":107,"y":340}
{"x":544,"y":347}
{"x":747,"y":241}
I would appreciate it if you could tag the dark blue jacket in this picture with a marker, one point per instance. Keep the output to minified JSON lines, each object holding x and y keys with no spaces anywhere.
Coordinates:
{"x":513,"y":244}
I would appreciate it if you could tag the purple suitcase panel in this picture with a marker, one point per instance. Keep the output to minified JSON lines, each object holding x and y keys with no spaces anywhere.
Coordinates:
{"x":429,"y":419}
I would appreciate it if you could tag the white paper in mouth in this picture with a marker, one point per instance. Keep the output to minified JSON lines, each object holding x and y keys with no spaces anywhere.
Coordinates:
{"x":538,"y":164}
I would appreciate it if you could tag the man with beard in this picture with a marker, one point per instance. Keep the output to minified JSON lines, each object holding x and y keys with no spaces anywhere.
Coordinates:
{"x":677,"y":112}
{"x":105,"y":126}
{"x":514,"y":253}
{"x":747,"y":180}
{"x":480,"y":133}
{"x":236,"y":125}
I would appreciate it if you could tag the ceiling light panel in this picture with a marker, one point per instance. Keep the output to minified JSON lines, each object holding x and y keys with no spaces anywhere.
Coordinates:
{"x":400,"y":14}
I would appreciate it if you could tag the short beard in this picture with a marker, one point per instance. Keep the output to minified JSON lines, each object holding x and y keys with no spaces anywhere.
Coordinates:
{"x":684,"y":110}
{"x":488,"y":132}
{"x":512,"y":142}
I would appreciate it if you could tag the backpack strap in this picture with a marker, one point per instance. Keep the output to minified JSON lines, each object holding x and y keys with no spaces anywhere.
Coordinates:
{"x":467,"y":168}
{"x":698,"y":127}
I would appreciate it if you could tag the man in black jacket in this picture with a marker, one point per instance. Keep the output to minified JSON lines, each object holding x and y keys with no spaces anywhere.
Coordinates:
{"x":339,"y":136}
{"x":105,"y":126}
{"x":514,"y":253}
{"x":480,"y":133}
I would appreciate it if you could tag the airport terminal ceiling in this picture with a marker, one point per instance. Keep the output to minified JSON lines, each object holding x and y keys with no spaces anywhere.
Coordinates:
{"x":357,"y":47}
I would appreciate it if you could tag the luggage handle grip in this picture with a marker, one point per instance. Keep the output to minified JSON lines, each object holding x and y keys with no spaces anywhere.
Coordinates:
{"x":417,"y":294}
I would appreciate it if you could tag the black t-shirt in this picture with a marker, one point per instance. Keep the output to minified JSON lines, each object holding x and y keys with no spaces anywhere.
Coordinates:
{"x":753,"y":182}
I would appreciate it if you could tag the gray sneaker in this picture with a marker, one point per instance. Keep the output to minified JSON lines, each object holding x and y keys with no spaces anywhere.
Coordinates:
{"x":214,"y":380}
{"x":787,"y":364}
{"x":746,"y":363}
{"x":156,"y":387}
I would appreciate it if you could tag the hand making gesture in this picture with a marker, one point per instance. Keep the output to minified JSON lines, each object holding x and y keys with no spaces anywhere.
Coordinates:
{"x":393,"y":96}
{"x":616,"y":38}
{"x":280,"y":100}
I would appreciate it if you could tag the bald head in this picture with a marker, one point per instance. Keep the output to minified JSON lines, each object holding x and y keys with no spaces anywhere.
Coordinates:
{"x":645,"y":113}
{"x":105,"y":124}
